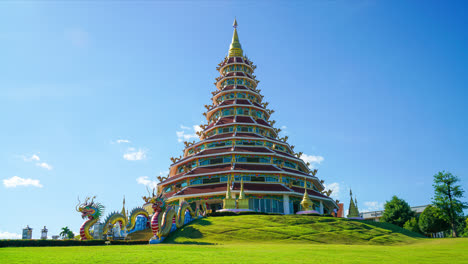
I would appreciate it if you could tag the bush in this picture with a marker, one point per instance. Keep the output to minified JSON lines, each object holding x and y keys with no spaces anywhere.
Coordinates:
{"x":430,"y":221}
{"x":129,"y":242}
{"x":397,"y":212}
{"x":66,"y":243}
{"x":391,"y":227}
{"x":215,"y":214}
{"x":49,"y":243}
{"x":412,"y":225}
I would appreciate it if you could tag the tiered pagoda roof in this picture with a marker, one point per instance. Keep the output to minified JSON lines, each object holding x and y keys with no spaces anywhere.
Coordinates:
{"x":239,"y":140}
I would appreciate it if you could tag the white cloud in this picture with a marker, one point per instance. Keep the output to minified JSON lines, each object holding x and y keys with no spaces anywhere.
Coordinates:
{"x":197,"y":128}
{"x":188,"y":133}
{"x":133,"y":154}
{"x":44,"y":165}
{"x":372,"y":206}
{"x":16,"y":181}
{"x":119,"y":141}
{"x":335,"y":187}
{"x":8,"y":235}
{"x":146,"y":181}
{"x":34,"y":157}
{"x":313,"y":160}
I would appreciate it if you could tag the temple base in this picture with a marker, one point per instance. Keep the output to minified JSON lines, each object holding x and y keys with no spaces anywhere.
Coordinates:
{"x":235,"y":210}
{"x":308,"y":212}
{"x":155,"y":240}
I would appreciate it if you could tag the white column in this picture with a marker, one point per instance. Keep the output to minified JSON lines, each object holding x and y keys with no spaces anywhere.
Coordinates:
{"x":286,"y":204}
{"x":321,"y":207}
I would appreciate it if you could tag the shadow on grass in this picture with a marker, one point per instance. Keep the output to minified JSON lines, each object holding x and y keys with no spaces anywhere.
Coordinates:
{"x":202,"y":222}
{"x":190,"y":243}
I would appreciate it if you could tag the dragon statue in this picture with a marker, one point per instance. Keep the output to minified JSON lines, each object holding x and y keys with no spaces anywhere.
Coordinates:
{"x":165,"y":217}
{"x":93,"y":212}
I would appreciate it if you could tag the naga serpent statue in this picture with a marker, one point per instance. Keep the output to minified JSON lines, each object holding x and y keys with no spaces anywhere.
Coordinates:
{"x":90,"y":210}
{"x":93,"y":212}
{"x":165,"y":216}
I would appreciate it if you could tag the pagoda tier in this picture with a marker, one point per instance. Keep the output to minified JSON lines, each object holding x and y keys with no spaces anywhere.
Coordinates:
{"x":240,"y":142}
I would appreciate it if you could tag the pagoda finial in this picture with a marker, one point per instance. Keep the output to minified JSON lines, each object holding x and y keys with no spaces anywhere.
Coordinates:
{"x":306,"y":203}
{"x":235,"y":50}
{"x":242,"y":194}
{"x":123,"y":207}
{"x":228,"y":190}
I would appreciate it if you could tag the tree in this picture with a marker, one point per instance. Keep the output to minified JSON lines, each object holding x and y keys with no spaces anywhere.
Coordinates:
{"x":466,"y":227}
{"x":446,"y":198}
{"x":70,"y":235}
{"x":397,"y":212}
{"x":430,"y":221}
{"x":66,"y":233}
{"x":412,"y":225}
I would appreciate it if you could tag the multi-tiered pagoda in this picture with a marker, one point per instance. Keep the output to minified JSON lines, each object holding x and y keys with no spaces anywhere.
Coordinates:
{"x":240,"y":161}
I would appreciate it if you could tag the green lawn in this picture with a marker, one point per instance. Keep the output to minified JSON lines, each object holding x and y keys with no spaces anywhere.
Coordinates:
{"x":290,"y":229}
{"x":423,"y":251}
{"x":264,"y":239}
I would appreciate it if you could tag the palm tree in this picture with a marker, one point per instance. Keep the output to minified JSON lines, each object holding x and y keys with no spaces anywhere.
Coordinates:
{"x":65,"y":232}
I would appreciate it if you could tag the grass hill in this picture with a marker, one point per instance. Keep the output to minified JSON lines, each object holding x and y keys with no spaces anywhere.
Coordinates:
{"x":289,"y":229}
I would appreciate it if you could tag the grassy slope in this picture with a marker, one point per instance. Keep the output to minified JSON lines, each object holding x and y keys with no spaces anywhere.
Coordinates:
{"x":424,"y":251}
{"x":289,"y":229}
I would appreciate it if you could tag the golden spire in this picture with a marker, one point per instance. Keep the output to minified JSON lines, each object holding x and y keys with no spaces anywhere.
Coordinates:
{"x":123,"y":207}
{"x":235,"y":50}
{"x":228,"y":190}
{"x":241,"y":194}
{"x":306,"y":202}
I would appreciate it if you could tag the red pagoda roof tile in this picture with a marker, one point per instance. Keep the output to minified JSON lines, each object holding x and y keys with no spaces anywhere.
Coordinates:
{"x":210,"y":125}
{"x":241,"y":87}
{"x":265,"y":187}
{"x":221,"y":136}
{"x":225,"y":120}
{"x":294,"y":171}
{"x":284,"y":153}
{"x":262,"y":122}
{"x":238,"y":59}
{"x":203,"y":189}
{"x":257,"y":104}
{"x":248,"y":135}
{"x":310,"y":192}
{"x":231,"y":60}
{"x":212,"y":169}
{"x":169,"y":194}
{"x":173,"y":177}
{"x":227,"y":102}
{"x":244,"y":119}
{"x":252,"y":149}
{"x":229,"y":87}
{"x":243,"y":102}
{"x":214,"y":151}
{"x":255,"y":167}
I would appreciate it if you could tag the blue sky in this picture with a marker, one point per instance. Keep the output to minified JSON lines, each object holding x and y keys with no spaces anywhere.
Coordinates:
{"x":373,"y":92}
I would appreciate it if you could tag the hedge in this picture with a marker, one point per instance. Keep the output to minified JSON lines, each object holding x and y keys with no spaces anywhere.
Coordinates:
{"x":65,"y":243}
{"x":215,"y":214}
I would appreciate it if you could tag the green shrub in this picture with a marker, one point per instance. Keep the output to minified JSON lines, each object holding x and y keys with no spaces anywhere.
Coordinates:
{"x":412,"y":225}
{"x":215,"y":214}
{"x":129,"y":242}
{"x":49,"y":243}
{"x":397,"y":212}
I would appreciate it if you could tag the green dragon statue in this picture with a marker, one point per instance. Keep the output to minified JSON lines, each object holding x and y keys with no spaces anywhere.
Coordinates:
{"x":93,"y":211}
